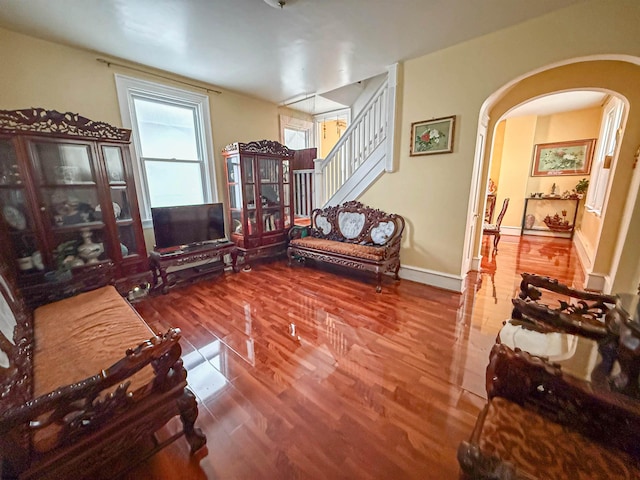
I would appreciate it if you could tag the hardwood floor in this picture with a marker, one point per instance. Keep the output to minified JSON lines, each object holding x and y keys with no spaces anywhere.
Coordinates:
{"x":303,"y":372}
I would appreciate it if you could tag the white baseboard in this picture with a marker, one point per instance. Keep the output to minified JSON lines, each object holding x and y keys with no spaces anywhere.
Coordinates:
{"x":597,"y":282}
{"x":514,"y":231}
{"x":446,"y":281}
{"x":583,"y":254}
{"x":475,"y":263}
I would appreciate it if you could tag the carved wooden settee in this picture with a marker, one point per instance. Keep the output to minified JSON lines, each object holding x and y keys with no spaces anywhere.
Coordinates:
{"x":84,"y":384}
{"x":351,"y":235}
{"x":571,"y":410}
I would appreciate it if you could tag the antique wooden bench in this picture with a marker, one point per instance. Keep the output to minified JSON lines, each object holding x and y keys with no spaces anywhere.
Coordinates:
{"x":351,"y":235}
{"x":84,"y":385}
{"x":562,"y":383}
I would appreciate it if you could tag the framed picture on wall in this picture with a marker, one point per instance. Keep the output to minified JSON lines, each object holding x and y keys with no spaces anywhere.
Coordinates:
{"x":563,"y":158}
{"x":432,"y":136}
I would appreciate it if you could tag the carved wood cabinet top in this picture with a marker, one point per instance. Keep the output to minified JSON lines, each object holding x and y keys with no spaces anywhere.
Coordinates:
{"x":51,"y":122}
{"x":263,"y":146}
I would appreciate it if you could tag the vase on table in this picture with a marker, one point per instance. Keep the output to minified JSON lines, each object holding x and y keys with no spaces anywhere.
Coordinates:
{"x":529,"y":221}
{"x":89,"y":250}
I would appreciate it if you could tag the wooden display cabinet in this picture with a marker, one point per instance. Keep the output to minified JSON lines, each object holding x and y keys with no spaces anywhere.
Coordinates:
{"x":67,"y":197}
{"x":259,"y":197}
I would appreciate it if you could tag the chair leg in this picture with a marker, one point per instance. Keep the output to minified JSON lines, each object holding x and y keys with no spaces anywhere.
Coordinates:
{"x":188,"y":407}
{"x":496,"y":239}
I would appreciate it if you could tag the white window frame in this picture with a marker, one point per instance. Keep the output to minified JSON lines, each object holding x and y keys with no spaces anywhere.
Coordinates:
{"x":293,"y":123}
{"x":608,"y":144}
{"x":128,"y":89}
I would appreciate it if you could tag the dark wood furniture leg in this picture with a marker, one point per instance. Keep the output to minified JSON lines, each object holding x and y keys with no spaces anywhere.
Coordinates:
{"x":188,"y":407}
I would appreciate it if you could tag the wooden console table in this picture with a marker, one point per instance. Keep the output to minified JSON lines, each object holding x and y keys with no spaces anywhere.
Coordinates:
{"x":552,"y":224}
{"x":213,"y":256}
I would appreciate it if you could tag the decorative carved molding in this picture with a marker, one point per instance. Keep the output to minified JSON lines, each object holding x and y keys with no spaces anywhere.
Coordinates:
{"x":269,"y":147}
{"x":51,"y":122}
{"x":372,"y":217}
{"x":78,"y":407}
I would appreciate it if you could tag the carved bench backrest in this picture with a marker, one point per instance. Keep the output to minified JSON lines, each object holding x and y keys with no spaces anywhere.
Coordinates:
{"x":16,"y":337}
{"x":15,"y":341}
{"x":354,"y":222}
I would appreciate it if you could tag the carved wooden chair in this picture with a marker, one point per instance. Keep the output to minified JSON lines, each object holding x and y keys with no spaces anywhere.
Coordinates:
{"x":494,"y":228}
{"x":574,"y":392}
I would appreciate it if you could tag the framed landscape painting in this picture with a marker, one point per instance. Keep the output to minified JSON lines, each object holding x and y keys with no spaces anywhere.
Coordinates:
{"x":432,"y":136}
{"x":563,"y":158}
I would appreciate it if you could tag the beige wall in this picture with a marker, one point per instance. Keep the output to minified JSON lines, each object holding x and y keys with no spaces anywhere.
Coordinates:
{"x":515,"y":140}
{"x":36,"y":73}
{"x":514,"y":172}
{"x":433,"y":192}
{"x":330,"y":133}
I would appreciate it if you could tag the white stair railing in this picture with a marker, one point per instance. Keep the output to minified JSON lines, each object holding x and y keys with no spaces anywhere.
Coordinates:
{"x":367,"y":131}
{"x":303,"y":202}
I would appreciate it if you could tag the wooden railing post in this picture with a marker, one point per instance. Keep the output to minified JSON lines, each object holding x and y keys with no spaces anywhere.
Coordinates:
{"x":318,"y":190}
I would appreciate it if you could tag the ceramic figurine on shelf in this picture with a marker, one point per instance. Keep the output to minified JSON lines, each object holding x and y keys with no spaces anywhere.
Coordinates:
{"x":553,"y":190}
{"x":88,"y":250}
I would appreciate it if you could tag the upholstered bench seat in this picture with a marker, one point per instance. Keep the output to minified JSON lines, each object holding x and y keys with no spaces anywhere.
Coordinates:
{"x":65,"y":334}
{"x":537,"y":448}
{"x":367,"y":252}
{"x":76,"y":337}
{"x":85,"y":385}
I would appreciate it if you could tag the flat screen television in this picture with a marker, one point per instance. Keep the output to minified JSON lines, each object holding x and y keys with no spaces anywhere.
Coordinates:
{"x":188,"y":225}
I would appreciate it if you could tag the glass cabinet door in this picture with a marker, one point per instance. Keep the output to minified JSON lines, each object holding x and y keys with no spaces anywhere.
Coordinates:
{"x":66,"y":183}
{"x":241,"y":186}
{"x":120,"y":200}
{"x":16,"y":213}
{"x":270,"y":194}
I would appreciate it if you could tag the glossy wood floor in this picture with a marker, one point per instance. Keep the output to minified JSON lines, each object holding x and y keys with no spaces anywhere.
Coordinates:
{"x":305,"y":373}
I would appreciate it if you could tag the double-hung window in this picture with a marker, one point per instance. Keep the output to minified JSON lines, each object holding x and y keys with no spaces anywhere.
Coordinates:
{"x":172,"y":138}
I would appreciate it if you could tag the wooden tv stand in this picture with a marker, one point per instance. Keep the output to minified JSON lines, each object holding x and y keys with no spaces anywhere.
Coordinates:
{"x":213,"y":254}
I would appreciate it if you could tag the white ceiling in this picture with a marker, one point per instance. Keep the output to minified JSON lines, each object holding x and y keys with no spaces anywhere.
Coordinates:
{"x":559,"y":102}
{"x":281,"y":55}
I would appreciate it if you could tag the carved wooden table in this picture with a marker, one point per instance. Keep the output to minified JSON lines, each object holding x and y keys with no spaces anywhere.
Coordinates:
{"x":607,"y":356}
{"x":190,"y":263}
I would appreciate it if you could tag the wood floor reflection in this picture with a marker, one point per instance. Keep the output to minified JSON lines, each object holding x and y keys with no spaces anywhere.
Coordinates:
{"x":307,"y":373}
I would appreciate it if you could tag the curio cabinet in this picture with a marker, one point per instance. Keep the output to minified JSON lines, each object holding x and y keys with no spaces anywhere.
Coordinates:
{"x":259,"y":197}
{"x":68,"y":203}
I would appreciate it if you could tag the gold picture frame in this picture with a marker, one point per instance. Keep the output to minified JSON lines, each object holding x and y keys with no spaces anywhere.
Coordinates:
{"x":432,"y":136}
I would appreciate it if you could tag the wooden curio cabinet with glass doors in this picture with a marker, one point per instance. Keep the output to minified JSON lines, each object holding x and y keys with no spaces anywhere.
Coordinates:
{"x":259,"y":197}
{"x":68,"y":205}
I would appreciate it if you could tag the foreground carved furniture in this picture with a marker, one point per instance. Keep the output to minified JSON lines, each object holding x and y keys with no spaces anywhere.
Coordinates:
{"x":84,"y":385}
{"x":351,"y":235}
{"x":562,"y":412}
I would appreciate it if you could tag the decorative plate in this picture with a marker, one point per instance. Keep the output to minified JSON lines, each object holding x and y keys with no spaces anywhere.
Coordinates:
{"x":14,"y":217}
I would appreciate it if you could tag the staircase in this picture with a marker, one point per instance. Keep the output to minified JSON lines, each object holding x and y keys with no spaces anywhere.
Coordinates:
{"x":363,"y":153}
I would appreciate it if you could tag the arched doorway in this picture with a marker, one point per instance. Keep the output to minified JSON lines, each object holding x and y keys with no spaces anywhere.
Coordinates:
{"x":615,"y":78}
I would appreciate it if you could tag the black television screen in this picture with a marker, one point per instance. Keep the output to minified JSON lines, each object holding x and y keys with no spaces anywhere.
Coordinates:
{"x":187,"y":225}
